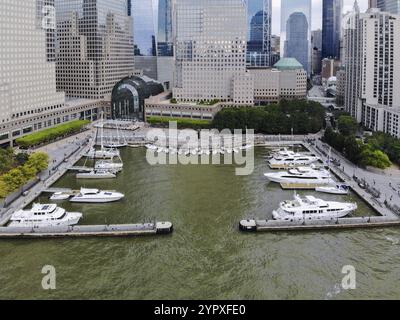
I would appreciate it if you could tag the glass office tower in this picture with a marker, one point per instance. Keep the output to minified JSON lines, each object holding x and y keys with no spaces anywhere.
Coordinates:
{"x":164,"y":37}
{"x":296,"y":44}
{"x":259,"y":32}
{"x":392,"y":6}
{"x":145,"y":26}
{"x":331,"y":28}
{"x":288,"y":7}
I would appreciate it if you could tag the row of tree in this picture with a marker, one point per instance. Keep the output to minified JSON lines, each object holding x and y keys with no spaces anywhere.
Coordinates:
{"x":356,"y":150}
{"x":301,"y":116}
{"x":18,"y":176}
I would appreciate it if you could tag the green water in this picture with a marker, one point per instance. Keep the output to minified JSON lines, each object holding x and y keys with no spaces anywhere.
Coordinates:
{"x":206,"y":257}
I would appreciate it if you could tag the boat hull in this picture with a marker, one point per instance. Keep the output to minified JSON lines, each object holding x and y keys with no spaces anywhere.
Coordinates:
{"x":95,"y":200}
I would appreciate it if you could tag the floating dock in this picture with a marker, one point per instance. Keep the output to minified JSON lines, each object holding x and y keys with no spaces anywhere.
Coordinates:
{"x":252,"y":225}
{"x":127,"y":230}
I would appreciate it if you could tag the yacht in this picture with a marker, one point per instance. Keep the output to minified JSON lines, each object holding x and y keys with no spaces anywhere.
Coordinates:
{"x":103,"y":153}
{"x":311,"y":208}
{"x":109,"y":165}
{"x":339,"y":189}
{"x":59,"y":196}
{"x":291,"y":161}
{"x":44,"y":215}
{"x":97,"y":174}
{"x":310,"y":176}
{"x":97,"y":196}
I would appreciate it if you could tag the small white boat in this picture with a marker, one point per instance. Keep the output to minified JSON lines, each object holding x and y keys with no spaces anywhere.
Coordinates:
{"x":44,"y":215}
{"x":109,"y":165}
{"x":151,"y":146}
{"x":311,"y":208}
{"x":337,"y":189}
{"x":97,"y":196}
{"x":96,"y":174}
{"x":59,"y":196}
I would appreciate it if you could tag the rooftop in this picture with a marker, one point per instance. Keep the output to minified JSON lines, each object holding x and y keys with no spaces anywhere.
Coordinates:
{"x":288,"y":64}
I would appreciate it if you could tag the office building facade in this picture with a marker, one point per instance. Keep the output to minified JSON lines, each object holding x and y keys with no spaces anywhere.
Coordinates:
{"x":372,"y":48}
{"x":331,"y":28}
{"x":288,"y":7}
{"x":211,"y":52}
{"x":95,"y":46}
{"x":259,"y":32}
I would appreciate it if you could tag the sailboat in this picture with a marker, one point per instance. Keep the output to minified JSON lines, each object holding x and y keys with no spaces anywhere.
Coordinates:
{"x":103,"y":153}
{"x":118,"y":143}
{"x":97,"y":173}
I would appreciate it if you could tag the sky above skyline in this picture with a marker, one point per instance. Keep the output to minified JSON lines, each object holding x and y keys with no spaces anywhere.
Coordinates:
{"x":316,"y":13}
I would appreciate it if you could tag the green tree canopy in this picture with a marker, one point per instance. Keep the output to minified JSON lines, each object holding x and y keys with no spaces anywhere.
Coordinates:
{"x":347,"y":125}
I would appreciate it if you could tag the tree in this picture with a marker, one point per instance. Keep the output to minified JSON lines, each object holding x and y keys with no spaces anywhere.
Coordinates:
{"x":347,"y":125}
{"x":14,"y":179}
{"x":374,"y":158}
{"x":39,"y":161}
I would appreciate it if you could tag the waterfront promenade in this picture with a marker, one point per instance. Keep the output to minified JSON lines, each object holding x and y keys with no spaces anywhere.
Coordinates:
{"x":387,"y":184}
{"x":63,"y":154}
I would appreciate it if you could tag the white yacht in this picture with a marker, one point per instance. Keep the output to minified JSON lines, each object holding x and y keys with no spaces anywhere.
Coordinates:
{"x":309,"y":176}
{"x":109,"y":165}
{"x":97,"y":174}
{"x":311,"y":208}
{"x":103,"y":153}
{"x":58,"y":196}
{"x":339,"y":189}
{"x":291,"y":161}
{"x":97,"y":196}
{"x":44,"y":215}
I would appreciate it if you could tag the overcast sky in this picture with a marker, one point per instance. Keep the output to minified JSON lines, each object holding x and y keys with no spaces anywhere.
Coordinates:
{"x":317,"y":12}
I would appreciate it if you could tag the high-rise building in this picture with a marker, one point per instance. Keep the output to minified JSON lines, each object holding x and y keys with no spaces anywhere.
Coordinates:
{"x":296,"y":43}
{"x":27,"y":77}
{"x":210,"y":49}
{"x":259,"y":32}
{"x":165,"y":37}
{"x":288,"y":7}
{"x":331,"y":28}
{"x":94,"y":46}
{"x":372,"y":49}
{"x":392,"y":6}
{"x":144,"y":27}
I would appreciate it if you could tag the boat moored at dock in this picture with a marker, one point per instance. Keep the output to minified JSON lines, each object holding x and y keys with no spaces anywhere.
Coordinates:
{"x":339,"y":189}
{"x":97,"y":196}
{"x":311,"y":208}
{"x":304,"y":177}
{"x":44,"y":215}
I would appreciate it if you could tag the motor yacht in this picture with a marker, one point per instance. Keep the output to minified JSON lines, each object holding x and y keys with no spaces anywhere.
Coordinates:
{"x":97,"y":174}
{"x":97,"y":196}
{"x":311,"y":208}
{"x":59,"y":196}
{"x":302,"y":176}
{"x":339,"y":189}
{"x":44,"y":215}
{"x":291,"y":161}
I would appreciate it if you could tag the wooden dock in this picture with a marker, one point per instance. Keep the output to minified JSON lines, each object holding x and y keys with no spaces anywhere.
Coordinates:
{"x":128,"y":230}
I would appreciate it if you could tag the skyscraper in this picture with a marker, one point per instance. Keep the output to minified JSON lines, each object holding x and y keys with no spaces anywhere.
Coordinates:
{"x":94,"y":46}
{"x":372,"y":49}
{"x":392,"y":6}
{"x":288,"y":7}
{"x":211,"y":52}
{"x":164,"y":36}
{"x":144,"y":26}
{"x":28,"y":92}
{"x":296,"y":44}
{"x":331,"y":28}
{"x":259,"y":35}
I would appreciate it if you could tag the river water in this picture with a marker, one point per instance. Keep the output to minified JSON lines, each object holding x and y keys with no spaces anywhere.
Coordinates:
{"x":206,"y":257}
